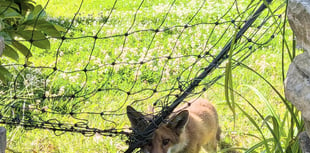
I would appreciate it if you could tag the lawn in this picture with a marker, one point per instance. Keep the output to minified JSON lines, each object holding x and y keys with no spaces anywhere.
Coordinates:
{"x":145,"y":54}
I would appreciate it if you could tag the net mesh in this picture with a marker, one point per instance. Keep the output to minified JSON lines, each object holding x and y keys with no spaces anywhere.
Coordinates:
{"x":148,"y":56}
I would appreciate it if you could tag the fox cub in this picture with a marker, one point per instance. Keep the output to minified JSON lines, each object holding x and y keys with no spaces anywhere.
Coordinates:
{"x":188,"y":129}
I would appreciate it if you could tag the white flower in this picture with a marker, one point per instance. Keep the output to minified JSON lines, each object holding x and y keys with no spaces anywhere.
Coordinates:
{"x":26,"y":82}
{"x":47,"y":93}
{"x":61,"y":90}
{"x":38,"y":101}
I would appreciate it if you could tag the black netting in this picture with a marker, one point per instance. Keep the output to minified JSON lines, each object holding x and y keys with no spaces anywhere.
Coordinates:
{"x":129,"y":59}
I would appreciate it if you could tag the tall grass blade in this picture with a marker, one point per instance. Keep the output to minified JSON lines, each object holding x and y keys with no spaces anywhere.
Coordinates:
{"x":276,"y":130}
{"x":264,"y":140}
{"x":229,"y":96}
{"x":286,"y":103}
{"x":265,"y":101}
{"x":256,"y":146}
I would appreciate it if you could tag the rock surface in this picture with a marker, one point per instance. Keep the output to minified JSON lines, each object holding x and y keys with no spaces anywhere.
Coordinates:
{"x":304,"y":142}
{"x":299,"y":19}
{"x":297,"y":86}
{"x":2,"y":139}
{"x":297,"y":82}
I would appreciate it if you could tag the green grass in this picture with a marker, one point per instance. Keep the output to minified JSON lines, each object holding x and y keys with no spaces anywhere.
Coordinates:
{"x":241,"y":132}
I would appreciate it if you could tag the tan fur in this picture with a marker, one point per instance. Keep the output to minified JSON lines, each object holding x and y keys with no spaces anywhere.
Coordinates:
{"x":189,"y":128}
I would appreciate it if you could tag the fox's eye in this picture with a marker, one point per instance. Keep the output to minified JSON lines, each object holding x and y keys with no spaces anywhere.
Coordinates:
{"x":165,"y":142}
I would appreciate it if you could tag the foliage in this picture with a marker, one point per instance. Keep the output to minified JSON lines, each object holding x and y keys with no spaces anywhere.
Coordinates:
{"x":23,"y":20}
{"x":283,"y":127}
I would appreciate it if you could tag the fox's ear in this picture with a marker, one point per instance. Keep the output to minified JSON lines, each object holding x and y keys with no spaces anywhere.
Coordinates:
{"x":137,"y":119}
{"x":179,"y":122}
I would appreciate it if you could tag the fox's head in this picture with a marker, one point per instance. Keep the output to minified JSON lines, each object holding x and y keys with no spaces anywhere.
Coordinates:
{"x":167,"y":138}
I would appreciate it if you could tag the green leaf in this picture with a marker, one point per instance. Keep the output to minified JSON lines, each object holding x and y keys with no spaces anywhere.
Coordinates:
{"x":43,"y":26}
{"x":5,"y":36}
{"x":9,"y":13}
{"x":59,"y":28}
{"x":38,"y":12}
{"x":10,"y":52}
{"x":10,"y":4}
{"x":27,"y":5}
{"x":21,"y":48}
{"x":38,"y":39}
{"x":5,"y":75}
